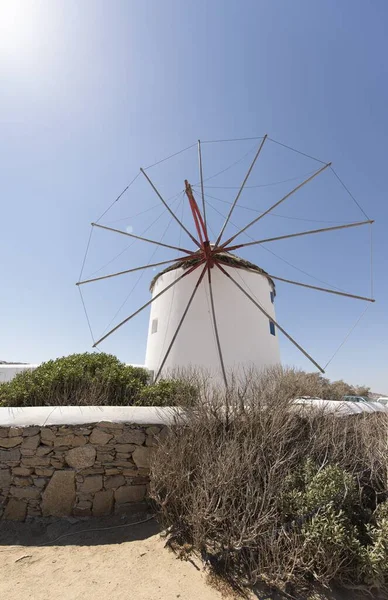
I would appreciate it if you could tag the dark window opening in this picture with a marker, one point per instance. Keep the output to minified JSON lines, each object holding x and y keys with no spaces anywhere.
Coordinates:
{"x":272,"y":328}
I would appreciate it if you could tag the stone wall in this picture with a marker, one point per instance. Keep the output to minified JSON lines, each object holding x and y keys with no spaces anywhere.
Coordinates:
{"x":80,"y":470}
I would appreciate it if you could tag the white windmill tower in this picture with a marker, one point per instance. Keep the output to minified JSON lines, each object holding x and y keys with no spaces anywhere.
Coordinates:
{"x":211,"y":308}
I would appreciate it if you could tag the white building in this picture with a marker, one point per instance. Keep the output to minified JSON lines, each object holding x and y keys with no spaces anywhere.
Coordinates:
{"x":247,"y":337}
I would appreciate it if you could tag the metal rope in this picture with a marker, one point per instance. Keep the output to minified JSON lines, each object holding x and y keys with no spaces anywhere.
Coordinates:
{"x":347,"y":336}
{"x":134,"y":242}
{"x":350,"y":194}
{"x":173,"y":294}
{"x":273,"y":214}
{"x":118,"y":198}
{"x":137,"y":281}
{"x":297,"y":151}
{"x":280,"y":258}
{"x":231,"y":140}
{"x":260,"y":185}
{"x":168,"y":157}
{"x":86,"y":253}
{"x":371,"y":260}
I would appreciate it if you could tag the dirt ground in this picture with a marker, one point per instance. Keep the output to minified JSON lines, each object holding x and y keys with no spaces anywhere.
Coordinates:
{"x":125,"y":563}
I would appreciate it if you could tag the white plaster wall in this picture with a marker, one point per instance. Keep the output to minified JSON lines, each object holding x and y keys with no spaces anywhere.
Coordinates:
{"x":244,"y":331}
{"x":8,"y":372}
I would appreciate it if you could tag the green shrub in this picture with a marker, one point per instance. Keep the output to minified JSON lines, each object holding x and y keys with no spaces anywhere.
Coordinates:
{"x":167,"y":393}
{"x":78,"y":379}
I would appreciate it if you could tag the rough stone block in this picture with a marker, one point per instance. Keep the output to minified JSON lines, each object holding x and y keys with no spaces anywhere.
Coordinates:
{"x":83,"y":509}
{"x":31,"y":442}
{"x":114,"y":482}
{"x":59,"y":496}
{"x":93,"y":471}
{"x":27,"y":451}
{"x":25,"y":493}
{"x":152,"y":430}
{"x":131,"y":436}
{"x":7,"y":456}
{"x":56,"y":463}
{"x":130,"y":493}
{"x":91,"y":484}
{"x":103,"y":503}
{"x":70,"y":440}
{"x":100,"y":437}
{"x":81,"y":458}
{"x":15,"y":432}
{"x":22,"y":481}
{"x":10,"y":442}
{"x":44,"y":471}
{"x":110,"y":425}
{"x":142,"y":456}
{"x":125,"y":447}
{"x":5,"y":478}
{"x":15,"y":510}
{"x":112,"y":471}
{"x":40,"y":482}
{"x":29,"y":431}
{"x":36,"y":461}
{"x":4,"y":432}
{"x":47,"y":436}
{"x":130,"y":472}
{"x":22,"y":471}
{"x":43,"y":450}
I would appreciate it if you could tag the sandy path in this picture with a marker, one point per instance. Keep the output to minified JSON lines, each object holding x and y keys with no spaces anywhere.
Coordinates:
{"x":132,"y":570}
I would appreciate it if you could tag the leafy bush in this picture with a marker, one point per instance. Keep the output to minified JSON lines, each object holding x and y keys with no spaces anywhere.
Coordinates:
{"x":94,"y":380}
{"x":267,"y":492}
{"x":78,"y":379}
{"x":167,"y":393}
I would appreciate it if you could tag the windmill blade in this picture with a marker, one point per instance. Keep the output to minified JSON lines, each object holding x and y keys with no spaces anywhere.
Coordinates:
{"x":181,"y":321}
{"x":320,"y":289}
{"x":169,"y":209}
{"x":145,"y":305}
{"x":143,"y":239}
{"x":216,"y":328}
{"x":293,"y":235}
{"x":240,"y":190}
{"x":201,"y":181}
{"x":288,"y":336}
{"x":158,"y":264}
{"x":276,"y":204}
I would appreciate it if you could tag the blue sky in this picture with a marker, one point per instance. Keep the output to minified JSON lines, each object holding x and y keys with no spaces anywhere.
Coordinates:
{"x":91,"y":91}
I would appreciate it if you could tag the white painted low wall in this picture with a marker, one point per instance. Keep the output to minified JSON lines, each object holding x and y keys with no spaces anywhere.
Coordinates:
{"x":44,"y":416}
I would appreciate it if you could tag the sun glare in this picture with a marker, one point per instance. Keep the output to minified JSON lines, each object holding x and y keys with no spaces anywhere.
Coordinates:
{"x":19,"y":29}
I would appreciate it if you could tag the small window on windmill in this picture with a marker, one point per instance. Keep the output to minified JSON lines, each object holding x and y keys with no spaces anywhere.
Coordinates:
{"x":272,"y":297}
{"x":154,"y":326}
{"x":272,"y":328}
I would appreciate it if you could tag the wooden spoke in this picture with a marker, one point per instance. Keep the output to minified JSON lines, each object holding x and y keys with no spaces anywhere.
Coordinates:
{"x":181,"y":320}
{"x":293,"y":235}
{"x":143,"y":239}
{"x":216,"y":328}
{"x":145,"y":305}
{"x":288,"y":336}
{"x":158,"y":264}
{"x":240,"y":191}
{"x":196,"y":242}
{"x":276,"y":204}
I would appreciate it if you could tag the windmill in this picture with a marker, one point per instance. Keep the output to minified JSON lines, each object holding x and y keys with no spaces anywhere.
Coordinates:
{"x":210,"y":307}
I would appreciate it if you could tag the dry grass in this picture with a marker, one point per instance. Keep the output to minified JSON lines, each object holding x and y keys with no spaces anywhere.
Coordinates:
{"x":227,"y":478}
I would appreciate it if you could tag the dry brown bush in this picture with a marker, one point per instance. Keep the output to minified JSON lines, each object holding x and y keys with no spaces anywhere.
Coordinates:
{"x":221,"y":478}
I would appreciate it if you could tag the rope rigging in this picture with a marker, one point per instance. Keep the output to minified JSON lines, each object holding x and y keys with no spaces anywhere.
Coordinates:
{"x":208,"y":255}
